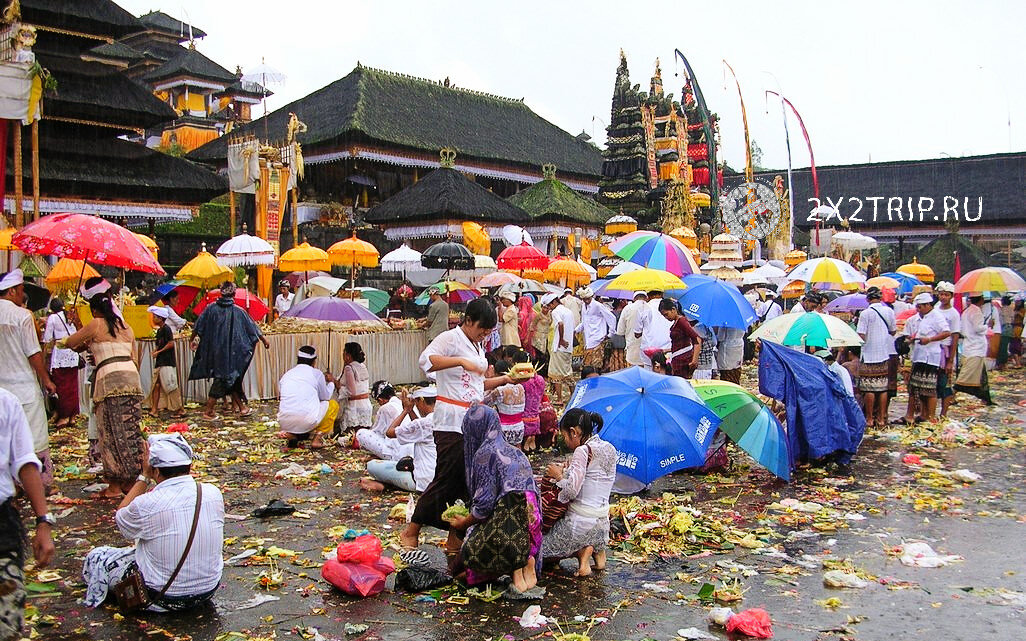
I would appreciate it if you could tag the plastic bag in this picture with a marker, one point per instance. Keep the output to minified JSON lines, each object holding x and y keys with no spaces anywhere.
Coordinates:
{"x":753,"y":623}
{"x":358,"y":579}
{"x":841,"y":579}
{"x":364,"y":549}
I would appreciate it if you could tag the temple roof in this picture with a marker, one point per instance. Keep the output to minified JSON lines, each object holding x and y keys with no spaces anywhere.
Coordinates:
{"x":94,"y":17}
{"x":426,"y":115}
{"x":160,"y":21}
{"x":550,"y":198}
{"x":192,"y":64}
{"x":98,"y":92}
{"x":445,"y":194}
{"x":114,"y":51}
{"x":111,"y":168}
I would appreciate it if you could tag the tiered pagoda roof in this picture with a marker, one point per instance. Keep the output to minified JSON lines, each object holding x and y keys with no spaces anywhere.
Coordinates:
{"x":189,"y":63}
{"x":552,"y":200}
{"x":163,"y":23}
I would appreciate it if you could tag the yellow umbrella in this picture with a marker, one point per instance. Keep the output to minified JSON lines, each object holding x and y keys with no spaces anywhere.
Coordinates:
{"x":203,"y":271}
{"x":883,"y":281}
{"x":5,"y":239}
{"x":647,"y":280}
{"x":686,"y":236}
{"x":621,"y":224}
{"x":794,"y":289}
{"x":795,"y":257}
{"x":67,"y":273}
{"x":303,"y":258}
{"x":353,"y":252}
{"x":148,"y":243}
{"x":567,"y":272}
{"x":476,"y":238}
{"x":917,"y":269}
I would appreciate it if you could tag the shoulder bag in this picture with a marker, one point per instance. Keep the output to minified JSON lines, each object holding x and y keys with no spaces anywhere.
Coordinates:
{"x":131,"y":592}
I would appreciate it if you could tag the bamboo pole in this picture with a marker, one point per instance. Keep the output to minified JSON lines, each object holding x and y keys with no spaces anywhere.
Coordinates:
{"x":19,"y":215}
{"x":35,"y":169}
{"x":295,"y":216}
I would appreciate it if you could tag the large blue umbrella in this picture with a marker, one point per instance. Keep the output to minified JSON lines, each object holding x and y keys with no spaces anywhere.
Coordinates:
{"x":906,"y":283}
{"x":717,"y":304}
{"x":657,"y":423}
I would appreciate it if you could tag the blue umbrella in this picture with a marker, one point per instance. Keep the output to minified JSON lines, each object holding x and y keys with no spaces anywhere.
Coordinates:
{"x":717,"y":304}
{"x":657,"y":423}
{"x":163,"y":288}
{"x":906,"y":283}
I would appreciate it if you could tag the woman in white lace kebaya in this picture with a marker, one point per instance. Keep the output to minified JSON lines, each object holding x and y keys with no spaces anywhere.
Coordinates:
{"x":584,"y":482}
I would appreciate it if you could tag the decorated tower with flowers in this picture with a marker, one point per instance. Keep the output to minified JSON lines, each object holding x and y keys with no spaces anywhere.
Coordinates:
{"x":625,"y":181}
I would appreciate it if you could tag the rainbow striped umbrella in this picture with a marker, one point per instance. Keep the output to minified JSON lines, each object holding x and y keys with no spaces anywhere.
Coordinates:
{"x":655,"y":251}
{"x":749,"y":423}
{"x":991,"y":279}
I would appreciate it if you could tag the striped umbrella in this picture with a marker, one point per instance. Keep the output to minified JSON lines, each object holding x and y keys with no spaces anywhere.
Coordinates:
{"x":811,"y":328}
{"x":991,"y":279}
{"x":826,"y":270}
{"x":655,"y":251}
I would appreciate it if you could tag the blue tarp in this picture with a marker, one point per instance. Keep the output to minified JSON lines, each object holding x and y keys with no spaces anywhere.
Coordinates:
{"x":821,"y":418}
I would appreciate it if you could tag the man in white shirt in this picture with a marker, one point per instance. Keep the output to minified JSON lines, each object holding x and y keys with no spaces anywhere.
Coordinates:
{"x":770,"y":308}
{"x":416,"y":431}
{"x":306,"y":406}
{"x":24,"y":369}
{"x":972,"y":376}
{"x":597,"y":324}
{"x":375,"y":440}
{"x":926,"y":330}
{"x":657,"y":331}
{"x":174,"y":321}
{"x":561,"y":351}
{"x":830,"y":360}
{"x":807,"y":303}
{"x":19,"y":464}
{"x":573,"y":304}
{"x":876,"y":327}
{"x":159,"y":521}
{"x":283,"y":302}
{"x":949,"y":347}
{"x":634,"y":319}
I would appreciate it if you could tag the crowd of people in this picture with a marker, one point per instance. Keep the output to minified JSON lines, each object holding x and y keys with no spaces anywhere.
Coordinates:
{"x":494,"y":388}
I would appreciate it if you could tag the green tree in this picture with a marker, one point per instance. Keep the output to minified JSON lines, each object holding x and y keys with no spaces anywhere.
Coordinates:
{"x":757,"y":157}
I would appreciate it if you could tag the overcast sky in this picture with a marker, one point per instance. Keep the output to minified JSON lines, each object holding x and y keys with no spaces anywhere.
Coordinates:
{"x":872,"y":80}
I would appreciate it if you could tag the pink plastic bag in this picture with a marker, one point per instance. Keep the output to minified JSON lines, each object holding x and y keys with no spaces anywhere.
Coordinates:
{"x":364,"y":549}
{"x":358,"y":579}
{"x":753,"y":623}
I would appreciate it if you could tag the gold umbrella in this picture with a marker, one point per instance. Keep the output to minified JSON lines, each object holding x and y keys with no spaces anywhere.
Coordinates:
{"x":203,"y":271}
{"x":567,"y":272}
{"x":149,"y":243}
{"x":353,"y":252}
{"x":476,"y":238}
{"x":67,"y":273}
{"x":303,"y":258}
{"x":917,"y":269}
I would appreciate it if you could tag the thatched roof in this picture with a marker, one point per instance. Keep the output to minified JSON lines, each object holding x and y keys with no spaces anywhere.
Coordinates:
{"x":113,"y":51}
{"x":445,"y":194}
{"x":94,"y":17}
{"x":423,"y":115}
{"x":160,"y":21}
{"x":111,"y":169}
{"x":191,"y":64}
{"x":551,"y":199}
{"x":99,"y":92}
{"x":939,"y":254}
{"x":999,"y":178}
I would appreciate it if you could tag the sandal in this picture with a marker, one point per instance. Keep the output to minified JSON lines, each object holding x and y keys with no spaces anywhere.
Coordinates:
{"x":246,"y":412}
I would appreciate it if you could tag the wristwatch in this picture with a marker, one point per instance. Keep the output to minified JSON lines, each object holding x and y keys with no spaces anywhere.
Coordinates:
{"x":47,"y":518}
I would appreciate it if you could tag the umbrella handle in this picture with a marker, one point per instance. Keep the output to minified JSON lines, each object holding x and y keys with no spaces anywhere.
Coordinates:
{"x":81,"y":274}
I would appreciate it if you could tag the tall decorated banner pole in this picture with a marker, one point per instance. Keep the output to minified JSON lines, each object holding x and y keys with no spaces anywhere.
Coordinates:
{"x":749,"y":169}
{"x":787,"y":143}
{"x":812,"y":157}
{"x":710,"y":141}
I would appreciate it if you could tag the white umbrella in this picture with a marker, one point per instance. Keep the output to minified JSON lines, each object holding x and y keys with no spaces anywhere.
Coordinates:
{"x":853,"y":241}
{"x":403,"y":259}
{"x":622,"y":268}
{"x":263,"y":74}
{"x":826,"y":270}
{"x":591,"y":270}
{"x":244,"y":251}
{"x":325,"y":286}
{"x":484,"y":264}
{"x":766,"y":274}
{"x":513,"y":235}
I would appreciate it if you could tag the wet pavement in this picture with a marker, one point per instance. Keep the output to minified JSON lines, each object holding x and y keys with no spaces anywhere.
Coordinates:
{"x":758,"y":542}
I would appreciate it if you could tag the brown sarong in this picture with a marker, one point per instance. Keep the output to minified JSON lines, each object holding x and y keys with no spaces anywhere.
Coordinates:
{"x":617,"y":360}
{"x":121,"y":443}
{"x":449,"y":483}
{"x":923,"y":380}
{"x":595,"y":357}
{"x":873,"y":377}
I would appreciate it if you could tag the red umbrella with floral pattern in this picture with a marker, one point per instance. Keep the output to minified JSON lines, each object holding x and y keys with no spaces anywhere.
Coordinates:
{"x":87,"y":238}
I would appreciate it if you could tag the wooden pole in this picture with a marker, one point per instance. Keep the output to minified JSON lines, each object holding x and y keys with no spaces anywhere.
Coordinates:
{"x":231,"y":213}
{"x":19,"y":216}
{"x":295,"y":216}
{"x":35,"y":169}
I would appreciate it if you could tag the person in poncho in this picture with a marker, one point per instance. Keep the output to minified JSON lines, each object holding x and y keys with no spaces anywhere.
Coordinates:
{"x":224,"y":337}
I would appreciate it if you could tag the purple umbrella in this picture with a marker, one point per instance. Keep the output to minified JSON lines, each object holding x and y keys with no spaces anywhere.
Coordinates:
{"x":330,"y":308}
{"x":848,"y":303}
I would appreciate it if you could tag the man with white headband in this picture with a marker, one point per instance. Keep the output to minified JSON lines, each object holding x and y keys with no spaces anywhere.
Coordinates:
{"x":597,"y":324}
{"x":406,"y":474}
{"x":179,"y":515}
{"x":307,"y":407}
{"x":24,"y":369}
{"x":165,"y":366}
{"x":927,"y":331}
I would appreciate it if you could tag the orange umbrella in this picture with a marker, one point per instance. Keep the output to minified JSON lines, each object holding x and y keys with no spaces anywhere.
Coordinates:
{"x":795,"y":257}
{"x":67,"y":273}
{"x":476,"y":238}
{"x":353,"y":252}
{"x":883,"y":281}
{"x":567,"y":272}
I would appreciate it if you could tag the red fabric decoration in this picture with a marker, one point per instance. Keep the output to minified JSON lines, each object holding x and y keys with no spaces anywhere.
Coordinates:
{"x":698,"y":152}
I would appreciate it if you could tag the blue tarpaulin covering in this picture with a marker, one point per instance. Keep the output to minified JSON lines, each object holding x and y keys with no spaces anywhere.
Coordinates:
{"x":821,"y":418}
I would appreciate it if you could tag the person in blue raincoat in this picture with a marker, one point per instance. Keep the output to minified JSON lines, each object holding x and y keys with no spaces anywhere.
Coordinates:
{"x":224,"y":337}
{"x":823,"y":421}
